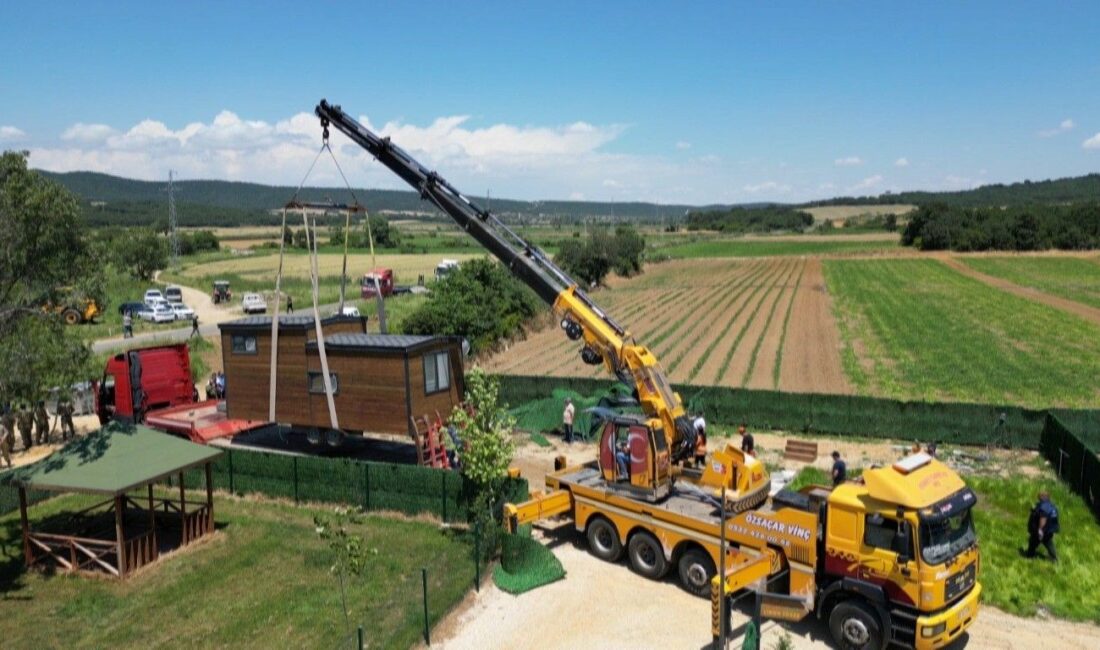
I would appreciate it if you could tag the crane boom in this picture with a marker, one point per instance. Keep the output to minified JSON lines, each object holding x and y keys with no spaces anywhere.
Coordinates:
{"x":605,"y":341}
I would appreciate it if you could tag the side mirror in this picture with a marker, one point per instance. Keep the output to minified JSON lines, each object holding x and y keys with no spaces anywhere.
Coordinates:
{"x":903,"y":543}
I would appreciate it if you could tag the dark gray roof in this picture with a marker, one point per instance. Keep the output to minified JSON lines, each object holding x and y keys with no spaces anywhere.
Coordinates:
{"x":294,"y":321}
{"x":375,"y":342}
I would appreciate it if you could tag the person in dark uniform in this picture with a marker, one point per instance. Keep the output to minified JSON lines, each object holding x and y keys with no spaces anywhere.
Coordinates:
{"x":25,"y":420}
{"x":41,"y":424}
{"x":748,"y":444}
{"x":289,"y":304}
{"x":1042,"y":525}
{"x":65,"y":411}
{"x":840,"y":469}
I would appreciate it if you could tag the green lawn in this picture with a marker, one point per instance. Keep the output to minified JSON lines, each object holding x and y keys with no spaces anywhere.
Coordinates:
{"x":1069,"y":589}
{"x":716,"y":246}
{"x":915,"y":329}
{"x":263,"y":582}
{"x":1073,"y":278}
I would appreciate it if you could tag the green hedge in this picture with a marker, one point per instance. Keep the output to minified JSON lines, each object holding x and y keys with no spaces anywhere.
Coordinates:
{"x":960,"y":423}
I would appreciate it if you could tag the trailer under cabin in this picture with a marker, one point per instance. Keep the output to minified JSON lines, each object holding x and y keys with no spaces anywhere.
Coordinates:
{"x":381,"y":383}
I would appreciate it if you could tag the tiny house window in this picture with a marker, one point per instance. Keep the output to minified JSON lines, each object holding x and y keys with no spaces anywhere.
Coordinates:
{"x":317,"y":383}
{"x":244,"y":344}
{"x":437,"y":372}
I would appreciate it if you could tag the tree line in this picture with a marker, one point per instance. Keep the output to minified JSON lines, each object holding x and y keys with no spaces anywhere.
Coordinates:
{"x":1016,"y":228}
{"x":741,"y":221}
{"x":1025,"y":193}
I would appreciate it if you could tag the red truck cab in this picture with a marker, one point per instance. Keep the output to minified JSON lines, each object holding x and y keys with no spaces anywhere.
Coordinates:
{"x":142,"y":380}
{"x":385,"y":283}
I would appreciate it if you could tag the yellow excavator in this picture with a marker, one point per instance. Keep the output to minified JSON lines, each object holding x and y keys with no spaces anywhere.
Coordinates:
{"x":666,"y":436}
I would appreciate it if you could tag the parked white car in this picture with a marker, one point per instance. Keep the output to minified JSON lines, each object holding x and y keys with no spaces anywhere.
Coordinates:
{"x":182,"y":311}
{"x":152,"y":295}
{"x":158,"y":313}
{"x":253,"y":303}
{"x":173,"y":294}
{"x":349,"y":310}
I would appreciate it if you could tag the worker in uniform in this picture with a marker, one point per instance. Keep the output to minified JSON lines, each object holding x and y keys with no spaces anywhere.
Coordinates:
{"x":8,"y":421}
{"x":212,"y":386}
{"x":567,"y":420}
{"x":65,"y":412}
{"x":41,"y":424}
{"x":748,"y":443}
{"x":26,"y":425}
{"x":195,"y":326}
{"x":127,"y":325}
{"x":1042,"y":524}
{"x":840,"y":469}
{"x":289,"y":304}
{"x":622,"y":458}
{"x":700,"y":452}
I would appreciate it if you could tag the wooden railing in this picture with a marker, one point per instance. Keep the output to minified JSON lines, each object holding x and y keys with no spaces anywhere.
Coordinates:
{"x":140,"y":550}
{"x":74,"y":553}
{"x":196,"y":524}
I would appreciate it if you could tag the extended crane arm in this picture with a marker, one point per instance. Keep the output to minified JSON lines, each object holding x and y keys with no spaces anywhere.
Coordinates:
{"x":605,"y":340}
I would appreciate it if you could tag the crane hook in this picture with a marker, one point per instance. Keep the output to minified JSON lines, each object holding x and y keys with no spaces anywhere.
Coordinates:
{"x":324,"y":130}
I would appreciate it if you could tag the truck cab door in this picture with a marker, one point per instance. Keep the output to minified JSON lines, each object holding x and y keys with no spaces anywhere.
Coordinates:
{"x":887,"y":558}
{"x":607,"y":452}
{"x":641,"y":458}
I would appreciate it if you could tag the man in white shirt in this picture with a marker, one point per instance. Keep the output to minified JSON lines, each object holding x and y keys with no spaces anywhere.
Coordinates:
{"x":567,"y":420}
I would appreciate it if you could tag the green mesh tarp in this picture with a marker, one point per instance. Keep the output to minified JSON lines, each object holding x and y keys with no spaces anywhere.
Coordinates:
{"x":525,"y":564}
{"x":538,"y":401}
{"x":543,"y":414}
{"x":1075,"y":462}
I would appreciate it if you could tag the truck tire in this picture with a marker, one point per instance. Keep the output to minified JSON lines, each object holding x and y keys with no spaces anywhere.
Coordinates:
{"x":696,"y":569}
{"x":647,"y":558}
{"x":334,"y":438}
{"x":855,"y":626}
{"x":603,"y":540}
{"x":71,"y":317}
{"x":313,"y":436}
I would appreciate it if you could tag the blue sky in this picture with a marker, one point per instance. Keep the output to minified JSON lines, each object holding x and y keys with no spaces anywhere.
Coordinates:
{"x":671,"y":102}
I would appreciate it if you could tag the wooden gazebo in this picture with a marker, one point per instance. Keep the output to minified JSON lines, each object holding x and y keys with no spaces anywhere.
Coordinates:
{"x":133,"y":526}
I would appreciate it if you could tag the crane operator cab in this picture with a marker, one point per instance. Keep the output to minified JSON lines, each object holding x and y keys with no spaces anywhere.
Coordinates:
{"x":631,"y":457}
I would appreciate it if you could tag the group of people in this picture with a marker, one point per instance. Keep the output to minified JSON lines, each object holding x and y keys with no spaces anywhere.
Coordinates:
{"x":33,"y":426}
{"x":215,"y":386}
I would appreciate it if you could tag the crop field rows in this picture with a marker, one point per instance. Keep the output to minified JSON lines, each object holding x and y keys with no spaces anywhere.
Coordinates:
{"x":921,"y":329}
{"x":716,"y":322}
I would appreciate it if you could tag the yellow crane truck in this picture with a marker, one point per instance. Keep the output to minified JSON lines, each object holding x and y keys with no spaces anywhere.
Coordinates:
{"x":891,"y":558}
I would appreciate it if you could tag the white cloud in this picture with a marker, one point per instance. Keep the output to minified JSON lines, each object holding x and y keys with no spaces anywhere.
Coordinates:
{"x":1063,"y":126}
{"x":901,"y":162}
{"x":850,"y":161}
{"x":576,"y":196}
{"x":866,"y":184}
{"x":682,"y":145}
{"x":770,"y":187}
{"x":1092,"y":143}
{"x":88,"y":132}
{"x":11,"y":134}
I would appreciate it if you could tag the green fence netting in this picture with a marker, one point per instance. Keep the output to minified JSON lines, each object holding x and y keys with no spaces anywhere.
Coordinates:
{"x":1075,"y":462}
{"x":525,"y":564}
{"x":540,"y":401}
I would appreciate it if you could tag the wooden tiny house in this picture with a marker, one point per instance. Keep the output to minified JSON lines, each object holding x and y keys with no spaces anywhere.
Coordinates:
{"x":380,"y":382}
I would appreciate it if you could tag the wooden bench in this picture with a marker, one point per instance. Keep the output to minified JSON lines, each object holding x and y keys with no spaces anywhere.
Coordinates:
{"x":802,"y":451}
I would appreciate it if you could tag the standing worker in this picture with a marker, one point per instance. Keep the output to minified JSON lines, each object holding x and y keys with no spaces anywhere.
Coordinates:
{"x":41,"y":423}
{"x":748,"y":443}
{"x":567,"y":420}
{"x":1042,"y":525}
{"x":127,"y":325}
{"x":26,"y":425}
{"x":195,"y":326}
{"x":289,"y":304}
{"x":840,"y":469}
{"x":8,"y":421}
{"x":65,"y":411}
{"x":700,"y":452}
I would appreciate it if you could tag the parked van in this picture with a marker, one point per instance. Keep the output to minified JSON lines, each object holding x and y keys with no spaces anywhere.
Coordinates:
{"x":173,"y":293}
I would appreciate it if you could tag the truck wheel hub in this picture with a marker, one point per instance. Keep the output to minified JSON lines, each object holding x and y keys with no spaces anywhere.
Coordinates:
{"x":603,"y":539}
{"x":646,"y":555}
{"x":697,"y":575}
{"x":855,"y":632}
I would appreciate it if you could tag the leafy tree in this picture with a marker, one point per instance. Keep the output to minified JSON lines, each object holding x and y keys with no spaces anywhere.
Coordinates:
{"x":486,"y":428}
{"x":385,"y":235}
{"x":288,"y":236}
{"x":592,"y":259}
{"x":348,"y":551}
{"x":480,"y":301}
{"x":197,"y":242}
{"x":45,"y":258}
{"x":301,"y":238}
{"x":142,"y":252}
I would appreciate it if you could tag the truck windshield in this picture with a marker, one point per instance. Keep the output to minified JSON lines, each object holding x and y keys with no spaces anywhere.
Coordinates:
{"x":945,"y":536}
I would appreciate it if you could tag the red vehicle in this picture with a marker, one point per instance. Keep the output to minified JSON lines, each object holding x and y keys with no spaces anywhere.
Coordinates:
{"x":384,"y":279}
{"x":142,"y":380}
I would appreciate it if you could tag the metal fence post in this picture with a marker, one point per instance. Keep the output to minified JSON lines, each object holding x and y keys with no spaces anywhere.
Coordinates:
{"x":427,"y":629}
{"x":477,"y":557}
{"x":366,"y":486}
{"x":295,"y":459}
{"x":360,"y":637}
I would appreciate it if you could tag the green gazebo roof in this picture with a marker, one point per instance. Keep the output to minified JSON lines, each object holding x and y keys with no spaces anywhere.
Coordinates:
{"x":113,"y":460}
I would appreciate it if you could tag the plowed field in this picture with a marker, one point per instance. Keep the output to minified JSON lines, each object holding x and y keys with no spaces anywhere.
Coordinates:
{"x":713,"y":321}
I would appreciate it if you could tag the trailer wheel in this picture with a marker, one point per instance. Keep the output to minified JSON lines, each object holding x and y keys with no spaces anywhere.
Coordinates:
{"x":647,"y":558}
{"x":71,"y":316}
{"x":855,"y":626}
{"x":334,"y":438}
{"x":313,"y":436}
{"x":696,"y":569}
{"x":603,"y":540}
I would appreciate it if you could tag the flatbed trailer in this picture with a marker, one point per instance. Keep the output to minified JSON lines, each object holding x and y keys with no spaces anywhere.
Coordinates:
{"x":852,"y":555}
{"x":201,"y":421}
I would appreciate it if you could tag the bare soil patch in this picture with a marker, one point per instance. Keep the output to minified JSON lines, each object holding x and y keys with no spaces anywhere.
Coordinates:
{"x":743,"y":309}
{"x":742,"y":356}
{"x":763,"y":373}
{"x":811,"y":352}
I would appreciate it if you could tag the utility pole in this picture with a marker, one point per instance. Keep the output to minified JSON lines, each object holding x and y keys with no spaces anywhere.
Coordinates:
{"x":173,"y":236}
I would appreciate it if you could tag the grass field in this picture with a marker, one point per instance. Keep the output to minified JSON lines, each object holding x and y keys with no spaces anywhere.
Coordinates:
{"x":842,"y":212}
{"x":1073,"y":278}
{"x":917,"y":329}
{"x":263,"y":582}
{"x":716,"y":246}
